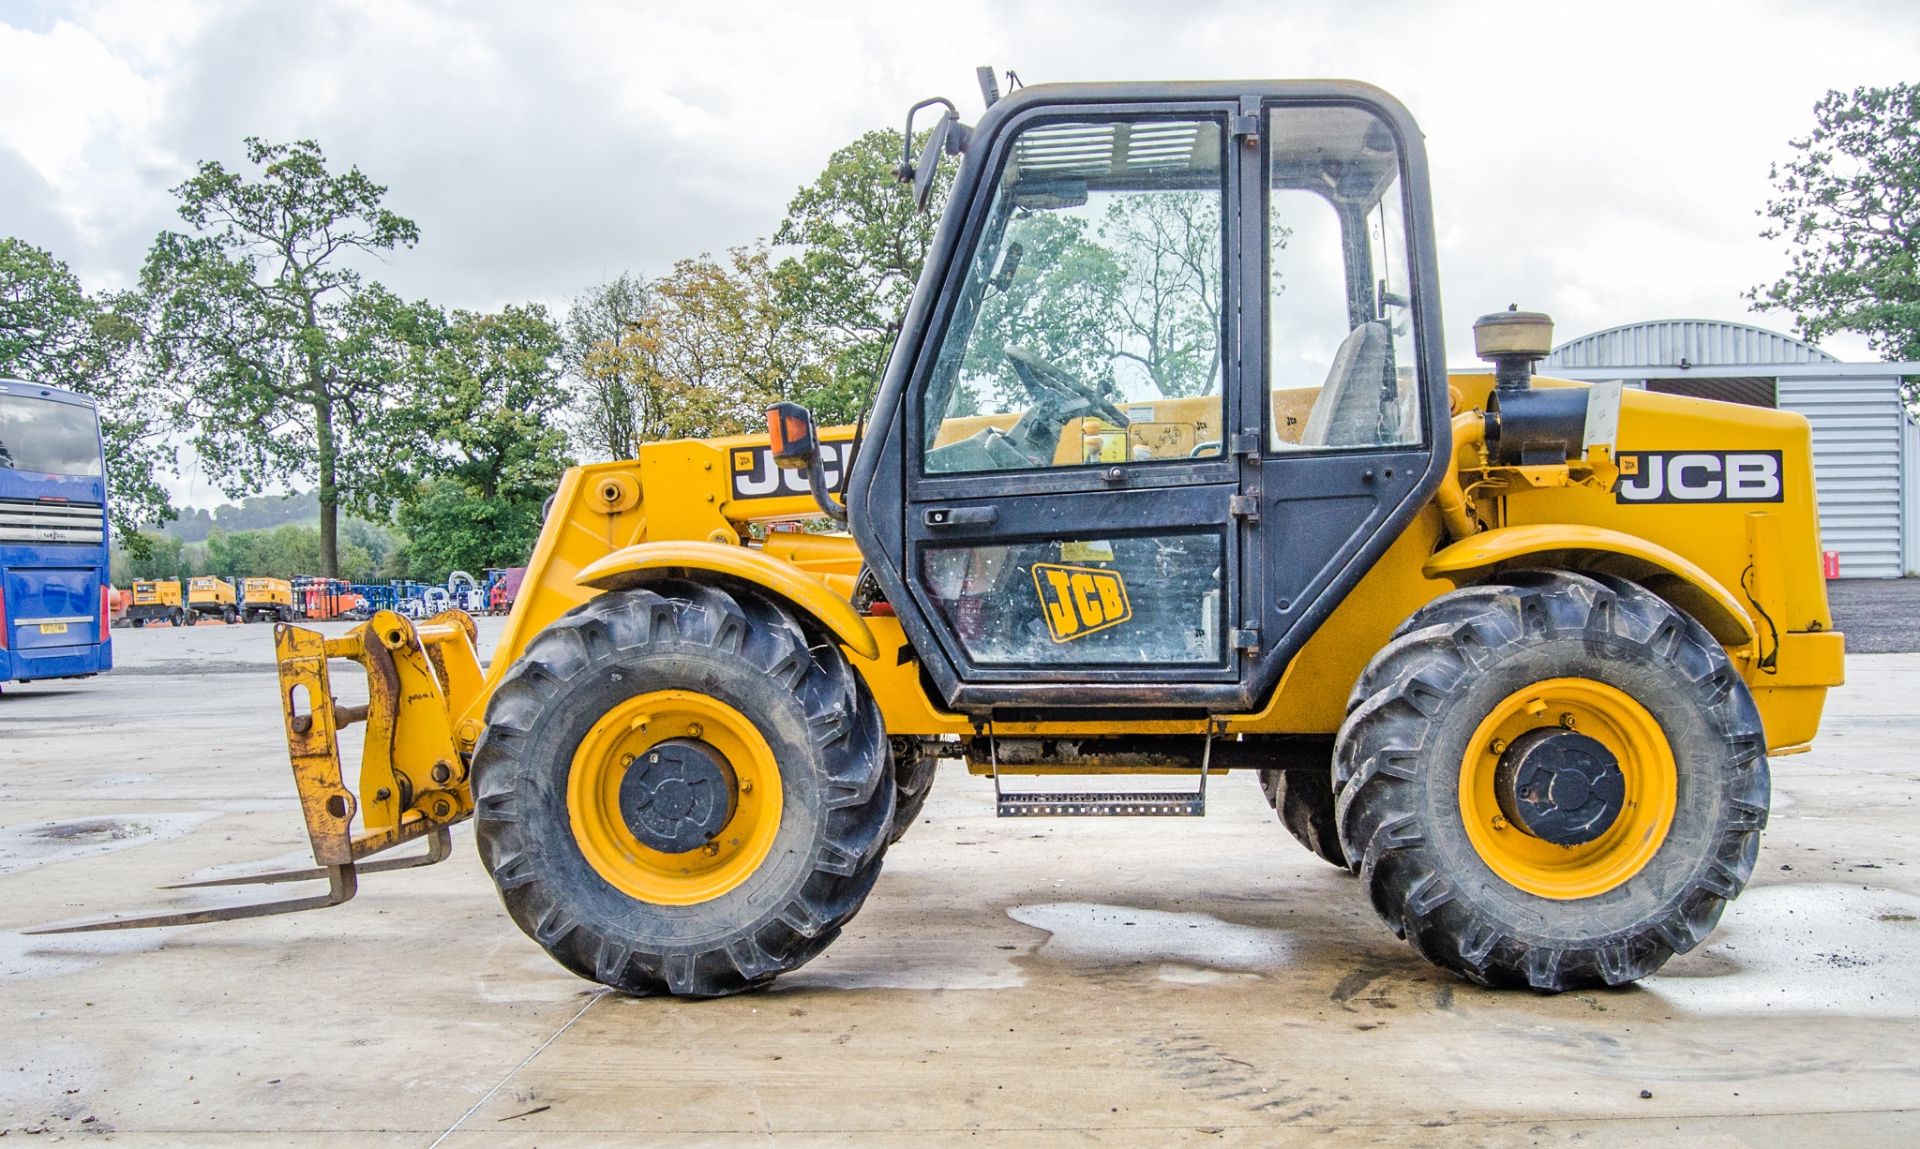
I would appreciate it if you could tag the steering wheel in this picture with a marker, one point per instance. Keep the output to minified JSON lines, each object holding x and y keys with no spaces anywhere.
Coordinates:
{"x":1042,"y":378}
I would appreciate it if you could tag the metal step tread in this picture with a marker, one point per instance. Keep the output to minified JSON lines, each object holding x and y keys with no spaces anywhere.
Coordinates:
{"x":1110,"y":804}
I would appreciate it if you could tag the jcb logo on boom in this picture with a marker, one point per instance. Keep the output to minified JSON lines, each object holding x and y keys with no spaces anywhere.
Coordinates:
{"x":755,"y":476}
{"x":1080,"y":600}
{"x":1699,"y":477}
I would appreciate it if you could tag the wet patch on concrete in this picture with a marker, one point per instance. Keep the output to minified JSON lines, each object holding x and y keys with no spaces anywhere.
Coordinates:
{"x":32,"y":844}
{"x":1813,"y":948}
{"x":1103,"y":936}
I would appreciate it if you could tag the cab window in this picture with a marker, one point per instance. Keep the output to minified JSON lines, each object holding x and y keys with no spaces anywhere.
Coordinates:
{"x":1340,"y":342}
{"x":1088,"y":329}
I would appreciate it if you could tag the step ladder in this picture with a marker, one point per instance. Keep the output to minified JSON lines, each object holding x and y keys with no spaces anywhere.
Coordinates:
{"x":1102,"y":803}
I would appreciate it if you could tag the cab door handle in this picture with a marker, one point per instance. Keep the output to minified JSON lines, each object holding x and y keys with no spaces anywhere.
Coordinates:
{"x":961,"y":516}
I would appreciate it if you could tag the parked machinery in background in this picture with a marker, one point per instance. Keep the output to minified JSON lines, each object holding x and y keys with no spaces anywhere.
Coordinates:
{"x":321,"y":598}
{"x":211,"y":597}
{"x":157,"y":600}
{"x":267,"y":600}
{"x":464,"y":592}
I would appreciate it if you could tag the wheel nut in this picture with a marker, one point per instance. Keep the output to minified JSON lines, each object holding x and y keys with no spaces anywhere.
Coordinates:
{"x":1498,"y":746}
{"x":711,"y":848}
{"x":1566,"y":720}
{"x":626,"y":760}
{"x":1499,"y":822}
{"x":694,"y":730}
{"x":746,"y":786}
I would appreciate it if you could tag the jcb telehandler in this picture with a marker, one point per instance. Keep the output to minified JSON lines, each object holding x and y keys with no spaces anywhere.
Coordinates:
{"x":1166,"y":473}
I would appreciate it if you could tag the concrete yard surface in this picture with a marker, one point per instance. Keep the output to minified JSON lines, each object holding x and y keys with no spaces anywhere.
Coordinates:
{"x":1153,"y":982}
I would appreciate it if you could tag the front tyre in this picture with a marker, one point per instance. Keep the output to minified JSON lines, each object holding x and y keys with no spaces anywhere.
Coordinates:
{"x":677,"y":792}
{"x":1558,"y":782}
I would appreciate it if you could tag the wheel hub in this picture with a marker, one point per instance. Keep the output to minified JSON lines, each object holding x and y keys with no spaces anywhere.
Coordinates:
{"x":1560,"y":786}
{"x":677,"y":796}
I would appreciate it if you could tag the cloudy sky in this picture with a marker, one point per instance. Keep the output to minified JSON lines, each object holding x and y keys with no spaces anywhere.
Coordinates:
{"x":1602,"y":162}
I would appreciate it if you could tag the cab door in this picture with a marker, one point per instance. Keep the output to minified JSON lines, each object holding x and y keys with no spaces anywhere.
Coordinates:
{"x":1073,"y":524}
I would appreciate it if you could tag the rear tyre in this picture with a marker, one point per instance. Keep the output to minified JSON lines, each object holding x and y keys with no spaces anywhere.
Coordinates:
{"x":1557,"y":783}
{"x":678,"y":792}
{"x":1303,"y":797}
{"x":179,"y":618}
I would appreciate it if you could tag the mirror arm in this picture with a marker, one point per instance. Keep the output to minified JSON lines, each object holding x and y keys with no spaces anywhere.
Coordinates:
{"x":905,"y":171}
{"x":817,"y":484}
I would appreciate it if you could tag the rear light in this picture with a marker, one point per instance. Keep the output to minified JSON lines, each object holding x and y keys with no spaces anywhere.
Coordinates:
{"x":106,"y":611}
{"x":4,"y":628}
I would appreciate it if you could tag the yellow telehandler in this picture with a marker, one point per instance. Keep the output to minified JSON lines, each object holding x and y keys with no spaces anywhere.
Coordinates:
{"x":1166,"y":475}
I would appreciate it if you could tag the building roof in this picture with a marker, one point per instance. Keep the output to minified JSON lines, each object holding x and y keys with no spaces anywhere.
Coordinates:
{"x":1688,"y":342}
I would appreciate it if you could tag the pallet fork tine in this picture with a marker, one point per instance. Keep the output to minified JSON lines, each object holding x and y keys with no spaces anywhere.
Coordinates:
{"x":439,"y":847}
{"x":413,"y":774}
{"x":342,"y":884}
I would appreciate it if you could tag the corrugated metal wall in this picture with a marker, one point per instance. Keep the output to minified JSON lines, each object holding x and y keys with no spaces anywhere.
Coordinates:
{"x":1859,"y":438}
{"x":1701,"y":342}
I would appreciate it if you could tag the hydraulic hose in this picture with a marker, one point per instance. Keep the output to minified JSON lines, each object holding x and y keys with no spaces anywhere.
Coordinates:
{"x":1469,"y":430}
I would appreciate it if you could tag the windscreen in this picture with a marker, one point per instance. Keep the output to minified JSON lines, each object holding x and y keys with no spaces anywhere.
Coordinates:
{"x":47,"y":436}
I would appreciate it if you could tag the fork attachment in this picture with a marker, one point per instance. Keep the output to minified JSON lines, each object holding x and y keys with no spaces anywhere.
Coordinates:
{"x":413,"y":772}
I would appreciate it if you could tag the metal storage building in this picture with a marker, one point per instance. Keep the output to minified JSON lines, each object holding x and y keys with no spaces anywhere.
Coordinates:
{"x":1866,"y":450}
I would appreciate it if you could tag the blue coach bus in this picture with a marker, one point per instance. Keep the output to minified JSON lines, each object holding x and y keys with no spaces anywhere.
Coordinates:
{"x":53,"y":536}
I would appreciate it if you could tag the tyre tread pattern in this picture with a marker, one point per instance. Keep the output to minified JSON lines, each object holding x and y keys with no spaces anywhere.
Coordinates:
{"x":840,"y":720}
{"x":1381,"y":752}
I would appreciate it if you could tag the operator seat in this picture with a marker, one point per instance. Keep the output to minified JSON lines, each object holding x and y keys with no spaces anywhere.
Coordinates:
{"x":1347,"y":413}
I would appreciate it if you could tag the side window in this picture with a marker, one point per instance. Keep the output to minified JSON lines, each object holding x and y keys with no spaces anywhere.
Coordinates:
{"x":1340,"y":342}
{"x":1088,"y":330}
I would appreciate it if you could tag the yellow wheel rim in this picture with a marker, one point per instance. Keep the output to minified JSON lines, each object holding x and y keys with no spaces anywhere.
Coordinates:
{"x":624,"y":736}
{"x":1626,"y":729}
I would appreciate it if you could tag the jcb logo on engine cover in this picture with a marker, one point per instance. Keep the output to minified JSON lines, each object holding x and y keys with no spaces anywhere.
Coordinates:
{"x":1699,"y":477}
{"x":755,"y":476}
{"x":1080,"y":600}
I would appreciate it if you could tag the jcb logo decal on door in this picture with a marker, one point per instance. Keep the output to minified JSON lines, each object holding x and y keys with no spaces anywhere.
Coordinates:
{"x":1699,"y":477}
{"x":1080,"y":600}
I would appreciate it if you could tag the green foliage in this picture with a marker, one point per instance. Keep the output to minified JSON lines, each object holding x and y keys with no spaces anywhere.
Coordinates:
{"x":712,"y":346}
{"x":52,"y":332}
{"x":158,"y":556}
{"x":282,"y":354}
{"x":282,"y":552}
{"x":1847,"y":206}
{"x":483,"y":435}
{"x":609,"y":392}
{"x":452,"y":527}
{"x":484,"y":403}
{"x":862,"y":246}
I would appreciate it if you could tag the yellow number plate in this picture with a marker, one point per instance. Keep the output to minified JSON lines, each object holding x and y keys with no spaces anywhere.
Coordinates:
{"x":53,"y":628}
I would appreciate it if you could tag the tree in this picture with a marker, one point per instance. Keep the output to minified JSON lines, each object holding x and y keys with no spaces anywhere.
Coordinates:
{"x":486,"y":403}
{"x":53,"y":332}
{"x":483,"y":421}
{"x":452,"y":527}
{"x":281,"y":352}
{"x":714,"y":346}
{"x":862,"y":246}
{"x":609,"y":400}
{"x":1847,"y":206}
